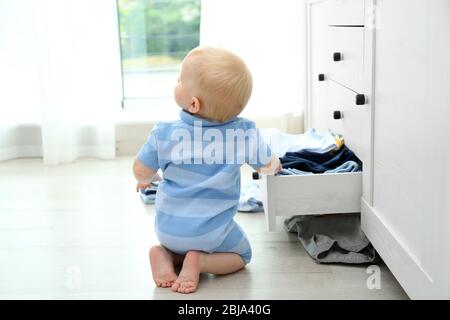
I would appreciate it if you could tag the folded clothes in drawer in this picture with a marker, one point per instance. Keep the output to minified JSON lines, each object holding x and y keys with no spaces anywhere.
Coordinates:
{"x":349,"y":166}
{"x":342,"y":160}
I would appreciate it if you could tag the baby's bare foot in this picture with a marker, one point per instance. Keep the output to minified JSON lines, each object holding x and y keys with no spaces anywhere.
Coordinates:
{"x":187,"y":281}
{"x":163,"y":270}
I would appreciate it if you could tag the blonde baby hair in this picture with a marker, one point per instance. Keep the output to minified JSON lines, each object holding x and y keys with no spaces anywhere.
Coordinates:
{"x":222,"y":82}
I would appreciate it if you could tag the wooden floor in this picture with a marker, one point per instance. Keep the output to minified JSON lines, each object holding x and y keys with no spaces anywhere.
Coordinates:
{"x":80,"y":231}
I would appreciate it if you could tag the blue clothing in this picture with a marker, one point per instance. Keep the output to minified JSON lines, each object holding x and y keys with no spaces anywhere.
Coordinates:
{"x":319,"y":162}
{"x":293,"y":172}
{"x":251,"y":198}
{"x":349,"y":166}
{"x":198,"y":196}
{"x":148,"y":195}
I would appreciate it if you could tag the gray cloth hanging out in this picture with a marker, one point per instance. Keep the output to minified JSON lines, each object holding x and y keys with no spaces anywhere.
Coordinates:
{"x":333,"y":238}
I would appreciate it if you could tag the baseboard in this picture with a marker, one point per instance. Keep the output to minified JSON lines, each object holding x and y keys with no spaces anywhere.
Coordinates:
{"x":403,"y":265}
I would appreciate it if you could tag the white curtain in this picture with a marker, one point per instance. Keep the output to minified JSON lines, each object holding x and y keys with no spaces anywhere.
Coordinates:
{"x":60,"y":79}
{"x":271,"y":37}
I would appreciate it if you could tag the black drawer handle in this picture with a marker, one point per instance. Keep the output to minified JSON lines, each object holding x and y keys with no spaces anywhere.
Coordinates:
{"x":360,"y":100}
{"x":321,"y":77}
{"x":337,"y":115}
{"x":337,"y":56}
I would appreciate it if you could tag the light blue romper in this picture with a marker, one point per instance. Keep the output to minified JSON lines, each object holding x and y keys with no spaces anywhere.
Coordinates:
{"x":198,"y":196}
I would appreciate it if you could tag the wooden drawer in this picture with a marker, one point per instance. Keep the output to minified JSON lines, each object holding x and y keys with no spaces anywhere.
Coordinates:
{"x":344,"y":12}
{"x":310,"y":194}
{"x":347,"y":45}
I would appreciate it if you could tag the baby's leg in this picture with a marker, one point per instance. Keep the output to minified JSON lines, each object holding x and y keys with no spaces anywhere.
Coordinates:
{"x":196,"y":262}
{"x":162,"y":262}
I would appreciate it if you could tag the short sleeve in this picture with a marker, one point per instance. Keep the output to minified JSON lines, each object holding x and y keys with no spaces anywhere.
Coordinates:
{"x":260,"y":153}
{"x":148,"y":154}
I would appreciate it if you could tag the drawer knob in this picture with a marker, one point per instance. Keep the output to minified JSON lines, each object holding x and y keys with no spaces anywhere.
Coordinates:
{"x":337,"y":115}
{"x":337,"y":56}
{"x":360,"y":100}
{"x":321,"y":77}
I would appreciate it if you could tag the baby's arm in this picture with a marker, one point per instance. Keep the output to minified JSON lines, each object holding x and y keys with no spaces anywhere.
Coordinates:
{"x":273,"y":167}
{"x":146,"y":163}
{"x":143,"y":174}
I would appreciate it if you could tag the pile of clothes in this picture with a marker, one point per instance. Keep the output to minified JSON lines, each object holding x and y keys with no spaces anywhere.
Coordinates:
{"x":333,"y":238}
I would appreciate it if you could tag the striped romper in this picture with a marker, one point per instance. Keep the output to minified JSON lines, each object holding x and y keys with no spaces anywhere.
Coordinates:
{"x":198,"y":196}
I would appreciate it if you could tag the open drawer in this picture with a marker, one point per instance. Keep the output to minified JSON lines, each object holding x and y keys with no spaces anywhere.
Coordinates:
{"x":326,"y":193}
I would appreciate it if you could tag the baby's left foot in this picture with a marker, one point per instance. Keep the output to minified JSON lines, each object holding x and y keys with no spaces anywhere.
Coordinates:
{"x":187,"y":281}
{"x":163,"y":270}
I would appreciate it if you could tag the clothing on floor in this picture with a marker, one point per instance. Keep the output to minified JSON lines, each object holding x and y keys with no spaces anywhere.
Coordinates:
{"x":312,"y":140}
{"x":314,"y":162}
{"x":251,"y":198}
{"x":148,"y":195}
{"x":333,"y":238}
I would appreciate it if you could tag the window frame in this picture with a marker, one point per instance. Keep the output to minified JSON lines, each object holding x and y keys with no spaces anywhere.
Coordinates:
{"x":140,"y":103}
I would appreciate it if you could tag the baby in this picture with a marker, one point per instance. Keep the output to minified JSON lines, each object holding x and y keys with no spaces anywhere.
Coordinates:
{"x":200,"y":156}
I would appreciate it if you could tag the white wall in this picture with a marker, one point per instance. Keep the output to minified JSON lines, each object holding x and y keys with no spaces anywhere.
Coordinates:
{"x":271,"y":37}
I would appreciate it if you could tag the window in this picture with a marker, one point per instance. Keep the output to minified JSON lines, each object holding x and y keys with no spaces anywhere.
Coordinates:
{"x":155,"y":35}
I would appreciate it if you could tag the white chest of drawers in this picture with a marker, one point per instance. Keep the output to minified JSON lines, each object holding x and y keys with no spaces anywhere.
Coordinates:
{"x":396,"y":55}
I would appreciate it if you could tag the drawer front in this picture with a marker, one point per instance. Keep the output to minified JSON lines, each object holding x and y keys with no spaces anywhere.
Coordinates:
{"x":344,"y":12}
{"x":354,"y":120}
{"x":329,"y":97}
{"x":312,"y":194}
{"x":324,"y":105}
{"x":346,"y":44}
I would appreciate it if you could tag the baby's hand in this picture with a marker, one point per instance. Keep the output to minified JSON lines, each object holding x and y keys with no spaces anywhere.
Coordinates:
{"x":271,"y":168}
{"x":141,"y":186}
{"x":157,"y":177}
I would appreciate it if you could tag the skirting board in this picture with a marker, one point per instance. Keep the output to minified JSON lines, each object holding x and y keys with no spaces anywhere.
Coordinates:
{"x":402,"y":264}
